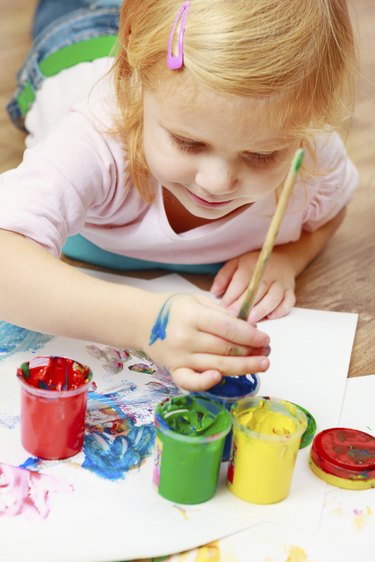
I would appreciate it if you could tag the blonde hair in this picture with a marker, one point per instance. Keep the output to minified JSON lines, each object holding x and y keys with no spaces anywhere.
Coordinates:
{"x":297,"y":51}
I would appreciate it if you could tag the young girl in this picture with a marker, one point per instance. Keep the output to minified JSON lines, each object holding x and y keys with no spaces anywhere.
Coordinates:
{"x":174,"y":158}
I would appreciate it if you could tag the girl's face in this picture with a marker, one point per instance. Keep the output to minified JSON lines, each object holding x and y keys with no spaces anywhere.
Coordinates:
{"x":214,"y":152}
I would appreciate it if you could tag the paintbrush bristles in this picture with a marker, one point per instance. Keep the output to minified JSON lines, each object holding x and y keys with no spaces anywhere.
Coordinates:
{"x":269,"y":241}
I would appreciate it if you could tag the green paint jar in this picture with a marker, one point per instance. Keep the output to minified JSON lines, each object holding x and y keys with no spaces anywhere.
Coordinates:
{"x":190,"y":436}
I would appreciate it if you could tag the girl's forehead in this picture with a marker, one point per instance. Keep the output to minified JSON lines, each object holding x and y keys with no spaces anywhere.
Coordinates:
{"x":191,"y":109}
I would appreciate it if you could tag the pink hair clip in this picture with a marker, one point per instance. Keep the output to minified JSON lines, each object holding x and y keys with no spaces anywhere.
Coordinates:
{"x":174,"y":62}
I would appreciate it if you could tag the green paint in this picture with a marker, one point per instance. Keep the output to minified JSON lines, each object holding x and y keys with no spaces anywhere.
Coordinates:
{"x":309,"y":434}
{"x":298,"y":159}
{"x":190,"y":416}
{"x":190,"y":435}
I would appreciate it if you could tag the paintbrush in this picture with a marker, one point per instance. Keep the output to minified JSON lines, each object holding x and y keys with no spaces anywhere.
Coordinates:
{"x":269,"y":241}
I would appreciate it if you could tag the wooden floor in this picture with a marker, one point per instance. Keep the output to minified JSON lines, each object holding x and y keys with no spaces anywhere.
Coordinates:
{"x":342,"y":278}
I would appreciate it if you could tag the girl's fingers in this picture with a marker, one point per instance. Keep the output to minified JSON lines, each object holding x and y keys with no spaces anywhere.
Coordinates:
{"x":235,"y":289}
{"x":262,"y":291}
{"x":285,"y":306}
{"x":188,"y":379}
{"x":208,"y":343}
{"x":234,"y":308}
{"x":268,"y":303}
{"x":236,"y":332}
{"x":229,"y":365}
{"x":223,"y":277}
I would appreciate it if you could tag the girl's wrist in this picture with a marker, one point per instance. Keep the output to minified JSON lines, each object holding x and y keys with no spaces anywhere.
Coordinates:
{"x":147,"y":315}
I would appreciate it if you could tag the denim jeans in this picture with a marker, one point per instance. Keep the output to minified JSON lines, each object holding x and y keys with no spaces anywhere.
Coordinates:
{"x":63,"y":33}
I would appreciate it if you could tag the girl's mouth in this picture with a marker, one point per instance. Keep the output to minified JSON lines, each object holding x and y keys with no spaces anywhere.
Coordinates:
{"x":204,"y":203}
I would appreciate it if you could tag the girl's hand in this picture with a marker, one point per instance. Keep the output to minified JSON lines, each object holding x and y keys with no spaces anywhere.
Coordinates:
{"x":198,"y":341}
{"x":275,"y":296}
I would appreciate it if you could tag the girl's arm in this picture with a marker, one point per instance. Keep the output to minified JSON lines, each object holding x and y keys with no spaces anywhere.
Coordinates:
{"x":195,"y":339}
{"x":276,"y":296}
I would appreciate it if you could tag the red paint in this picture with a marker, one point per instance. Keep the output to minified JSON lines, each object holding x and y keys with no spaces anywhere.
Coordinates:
{"x":346,"y":453}
{"x":54,"y":373}
{"x":53,"y":417}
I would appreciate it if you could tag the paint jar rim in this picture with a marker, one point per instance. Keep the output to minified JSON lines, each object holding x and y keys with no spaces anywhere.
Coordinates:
{"x":161,"y":425}
{"x":297,"y":415}
{"x":40,"y":361}
{"x":309,"y":434}
{"x":53,"y":394}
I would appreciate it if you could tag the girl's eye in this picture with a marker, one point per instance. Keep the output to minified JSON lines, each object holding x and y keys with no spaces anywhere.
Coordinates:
{"x":261,"y":159}
{"x":186,"y":145}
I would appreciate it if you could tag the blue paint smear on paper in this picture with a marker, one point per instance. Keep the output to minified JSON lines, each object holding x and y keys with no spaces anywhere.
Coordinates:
{"x":8,"y":421}
{"x":14,"y":339}
{"x":32,"y":463}
{"x":112,"y":456}
{"x":114,"y":443}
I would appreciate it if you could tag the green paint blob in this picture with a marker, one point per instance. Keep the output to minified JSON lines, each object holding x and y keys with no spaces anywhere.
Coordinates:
{"x":298,"y":159}
{"x":309,"y":434}
{"x":190,"y":435}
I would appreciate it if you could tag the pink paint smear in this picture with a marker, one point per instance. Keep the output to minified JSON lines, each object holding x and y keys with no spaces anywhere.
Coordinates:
{"x":23,"y":492}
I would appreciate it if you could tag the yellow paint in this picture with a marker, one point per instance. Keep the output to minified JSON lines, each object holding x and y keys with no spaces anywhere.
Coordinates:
{"x":296,"y":554}
{"x":345,"y":483}
{"x":208,"y":553}
{"x":267,"y":422}
{"x":182,"y":511}
{"x":361,"y":517}
{"x":266,"y":439}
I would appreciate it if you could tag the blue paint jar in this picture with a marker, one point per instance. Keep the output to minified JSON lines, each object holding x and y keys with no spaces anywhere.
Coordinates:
{"x":228,"y":391}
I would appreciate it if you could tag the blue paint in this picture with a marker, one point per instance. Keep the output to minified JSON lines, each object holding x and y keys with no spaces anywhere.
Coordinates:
{"x":14,"y":339}
{"x":111,"y":457}
{"x":235,"y":387}
{"x":115,"y":440}
{"x":159,"y":329}
{"x":228,"y":391}
{"x":32,"y":463}
{"x":9,"y":421}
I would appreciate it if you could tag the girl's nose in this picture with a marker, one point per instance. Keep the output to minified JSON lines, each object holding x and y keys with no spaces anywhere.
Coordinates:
{"x":217,"y":177}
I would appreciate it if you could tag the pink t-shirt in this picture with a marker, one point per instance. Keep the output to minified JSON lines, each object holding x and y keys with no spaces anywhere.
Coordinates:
{"x":75,"y":180}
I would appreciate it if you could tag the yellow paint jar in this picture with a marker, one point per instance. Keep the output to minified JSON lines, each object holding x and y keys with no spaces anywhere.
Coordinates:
{"x":266,"y":438}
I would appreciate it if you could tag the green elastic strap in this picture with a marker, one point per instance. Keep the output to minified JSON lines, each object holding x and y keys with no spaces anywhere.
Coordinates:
{"x":84,"y":51}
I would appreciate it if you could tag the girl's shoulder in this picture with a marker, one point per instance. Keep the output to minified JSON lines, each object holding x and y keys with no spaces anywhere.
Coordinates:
{"x":327,"y":150}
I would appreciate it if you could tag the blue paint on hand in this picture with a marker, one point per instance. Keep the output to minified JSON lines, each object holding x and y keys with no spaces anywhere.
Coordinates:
{"x":159,"y":329}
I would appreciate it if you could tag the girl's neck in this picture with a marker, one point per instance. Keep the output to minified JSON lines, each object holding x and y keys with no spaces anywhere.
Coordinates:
{"x":178,"y":217}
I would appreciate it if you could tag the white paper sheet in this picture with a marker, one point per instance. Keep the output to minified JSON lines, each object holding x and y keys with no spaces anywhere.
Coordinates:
{"x":104,"y":520}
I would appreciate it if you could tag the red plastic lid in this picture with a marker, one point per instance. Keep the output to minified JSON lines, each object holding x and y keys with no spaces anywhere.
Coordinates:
{"x":343,"y":452}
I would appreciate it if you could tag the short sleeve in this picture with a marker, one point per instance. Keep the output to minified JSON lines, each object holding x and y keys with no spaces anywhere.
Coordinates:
{"x":64,"y":181}
{"x":336,"y":181}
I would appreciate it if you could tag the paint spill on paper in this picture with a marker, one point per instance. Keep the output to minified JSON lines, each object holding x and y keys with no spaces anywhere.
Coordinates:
{"x":297,"y":554}
{"x":361,"y":517}
{"x":14,"y":339}
{"x":120,"y":431}
{"x":23,"y":492}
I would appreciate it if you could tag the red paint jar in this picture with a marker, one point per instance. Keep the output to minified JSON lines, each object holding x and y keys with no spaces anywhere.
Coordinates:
{"x":53,"y":406}
{"x":344,"y":457}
